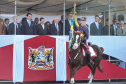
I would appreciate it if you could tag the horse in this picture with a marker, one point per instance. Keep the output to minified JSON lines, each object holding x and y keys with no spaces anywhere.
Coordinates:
{"x":76,"y":59}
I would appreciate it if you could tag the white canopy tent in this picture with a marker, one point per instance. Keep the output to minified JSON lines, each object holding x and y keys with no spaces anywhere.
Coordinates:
{"x":57,"y":5}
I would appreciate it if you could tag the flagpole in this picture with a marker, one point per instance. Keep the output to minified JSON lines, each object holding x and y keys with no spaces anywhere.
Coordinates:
{"x":74,"y":5}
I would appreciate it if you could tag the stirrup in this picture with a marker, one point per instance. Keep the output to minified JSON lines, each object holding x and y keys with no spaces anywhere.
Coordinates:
{"x":91,"y":62}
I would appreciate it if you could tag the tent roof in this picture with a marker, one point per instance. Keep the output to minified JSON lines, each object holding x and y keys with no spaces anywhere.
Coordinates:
{"x":57,"y":5}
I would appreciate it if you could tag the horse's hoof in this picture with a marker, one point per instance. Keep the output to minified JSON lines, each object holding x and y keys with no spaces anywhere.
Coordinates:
{"x":89,"y":77}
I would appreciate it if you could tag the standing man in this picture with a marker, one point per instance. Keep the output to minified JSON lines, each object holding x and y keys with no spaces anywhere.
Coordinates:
{"x":68,"y":24}
{"x":61,"y":22}
{"x":106,"y":28}
{"x":96,"y":27}
{"x":12,"y":27}
{"x":113,"y":27}
{"x":56,"y":28}
{"x":6,"y":25}
{"x":36,"y":21}
{"x":42,"y":29}
{"x":121,"y":30}
{"x":28,"y":26}
{"x":2,"y":27}
{"x":84,"y":38}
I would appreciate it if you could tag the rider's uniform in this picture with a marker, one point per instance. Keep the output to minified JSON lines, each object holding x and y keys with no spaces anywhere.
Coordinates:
{"x":85,"y":31}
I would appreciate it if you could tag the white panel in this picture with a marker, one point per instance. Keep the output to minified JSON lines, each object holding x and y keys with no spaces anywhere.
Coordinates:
{"x":60,"y":60}
{"x":18,"y":59}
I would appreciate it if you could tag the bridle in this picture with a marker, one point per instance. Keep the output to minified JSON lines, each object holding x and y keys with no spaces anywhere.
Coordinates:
{"x":81,"y":35}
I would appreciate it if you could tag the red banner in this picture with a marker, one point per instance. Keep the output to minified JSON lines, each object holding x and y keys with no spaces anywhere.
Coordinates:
{"x":39,"y":75}
{"x":6,"y":62}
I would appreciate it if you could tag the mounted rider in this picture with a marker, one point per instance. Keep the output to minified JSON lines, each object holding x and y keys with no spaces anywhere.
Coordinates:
{"x":83,"y":28}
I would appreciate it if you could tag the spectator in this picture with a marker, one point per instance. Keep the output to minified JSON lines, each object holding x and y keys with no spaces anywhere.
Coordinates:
{"x":12,"y":27}
{"x":56,"y":28}
{"x":121,"y":30}
{"x":96,"y":27}
{"x":23,"y":19}
{"x":28,"y":26}
{"x":6,"y":25}
{"x":2,"y":27}
{"x":42,"y":29}
{"x":113,"y":27}
{"x":53,"y":22}
{"x":68,"y":24}
{"x":48,"y":25}
{"x":106,"y":28}
{"x":36,"y":21}
{"x":61,"y":22}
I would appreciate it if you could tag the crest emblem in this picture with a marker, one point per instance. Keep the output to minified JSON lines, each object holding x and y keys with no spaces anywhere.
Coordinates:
{"x":40,"y":58}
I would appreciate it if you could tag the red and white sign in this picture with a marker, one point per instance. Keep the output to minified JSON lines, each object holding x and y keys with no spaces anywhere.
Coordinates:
{"x":55,"y":65}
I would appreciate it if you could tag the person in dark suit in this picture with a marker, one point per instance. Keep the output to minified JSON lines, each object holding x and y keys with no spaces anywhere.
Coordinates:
{"x":55,"y":28}
{"x":36,"y":21}
{"x":61,"y":22}
{"x":12,"y":27}
{"x":96,"y":27}
{"x":42,"y":29}
{"x":106,"y":28}
{"x":68,"y":24}
{"x":48,"y":25}
{"x":6,"y":25}
{"x":28,"y":26}
{"x":113,"y":27}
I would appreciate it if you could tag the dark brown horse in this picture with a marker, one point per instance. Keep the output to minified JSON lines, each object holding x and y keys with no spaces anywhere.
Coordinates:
{"x":76,"y":59}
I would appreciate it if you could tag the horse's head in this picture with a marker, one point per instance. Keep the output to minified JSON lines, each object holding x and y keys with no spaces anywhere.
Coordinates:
{"x":77,"y":39}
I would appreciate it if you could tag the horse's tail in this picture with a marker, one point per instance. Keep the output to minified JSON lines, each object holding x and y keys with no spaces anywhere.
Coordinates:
{"x":99,"y":65}
{"x":100,"y":68}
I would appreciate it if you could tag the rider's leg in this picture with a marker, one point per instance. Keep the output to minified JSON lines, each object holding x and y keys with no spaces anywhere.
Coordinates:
{"x":88,"y":54}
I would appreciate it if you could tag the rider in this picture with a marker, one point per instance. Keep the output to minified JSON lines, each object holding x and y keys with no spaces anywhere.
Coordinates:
{"x":83,"y":28}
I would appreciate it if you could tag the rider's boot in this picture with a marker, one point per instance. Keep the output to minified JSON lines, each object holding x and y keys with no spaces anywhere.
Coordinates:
{"x":90,"y":60}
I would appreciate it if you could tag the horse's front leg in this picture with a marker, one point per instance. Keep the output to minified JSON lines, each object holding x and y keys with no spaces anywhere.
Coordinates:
{"x":71,"y":76}
{"x":73,"y":73}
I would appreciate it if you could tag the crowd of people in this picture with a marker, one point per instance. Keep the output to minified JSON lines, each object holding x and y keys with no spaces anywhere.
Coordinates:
{"x":29,"y":27}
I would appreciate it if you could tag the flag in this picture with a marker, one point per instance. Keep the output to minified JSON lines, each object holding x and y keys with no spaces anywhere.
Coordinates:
{"x":71,"y":32}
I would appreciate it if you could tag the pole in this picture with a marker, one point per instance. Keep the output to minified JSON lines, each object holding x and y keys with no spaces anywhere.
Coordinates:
{"x":109,"y":16}
{"x":64,"y":18}
{"x":15,"y":18}
{"x":104,"y":19}
{"x":109,"y":30}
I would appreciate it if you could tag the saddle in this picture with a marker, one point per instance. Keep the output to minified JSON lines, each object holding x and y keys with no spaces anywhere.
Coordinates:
{"x":84,"y":52}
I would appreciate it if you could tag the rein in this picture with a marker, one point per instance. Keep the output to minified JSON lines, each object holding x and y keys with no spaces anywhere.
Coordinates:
{"x":76,"y":55}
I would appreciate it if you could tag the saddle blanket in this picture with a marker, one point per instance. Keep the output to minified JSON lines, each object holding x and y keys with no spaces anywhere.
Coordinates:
{"x":92,"y":52}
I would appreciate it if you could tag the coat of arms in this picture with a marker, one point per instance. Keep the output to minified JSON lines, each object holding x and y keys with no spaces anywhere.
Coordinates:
{"x":40,"y":58}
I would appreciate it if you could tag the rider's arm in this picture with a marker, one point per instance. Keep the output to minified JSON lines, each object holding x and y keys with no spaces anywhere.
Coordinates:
{"x":86,"y":34}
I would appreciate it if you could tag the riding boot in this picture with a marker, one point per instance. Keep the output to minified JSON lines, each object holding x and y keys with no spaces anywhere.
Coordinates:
{"x":90,"y":60}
